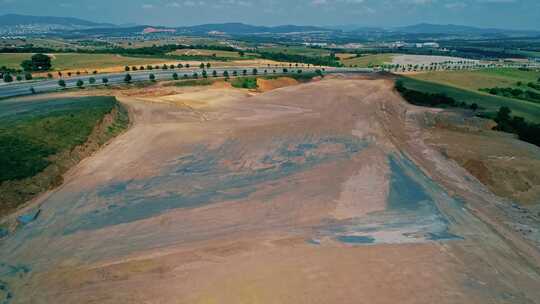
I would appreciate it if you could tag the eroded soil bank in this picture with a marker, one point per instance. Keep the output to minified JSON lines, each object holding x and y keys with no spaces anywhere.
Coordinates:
{"x":326,"y":192}
{"x":14,"y":193}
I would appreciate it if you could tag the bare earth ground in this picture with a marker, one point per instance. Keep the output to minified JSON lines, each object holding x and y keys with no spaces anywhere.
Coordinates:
{"x":324,"y":192}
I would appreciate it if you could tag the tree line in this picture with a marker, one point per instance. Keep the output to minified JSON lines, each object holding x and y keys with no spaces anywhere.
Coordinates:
{"x":430,"y":99}
{"x":526,"y":131}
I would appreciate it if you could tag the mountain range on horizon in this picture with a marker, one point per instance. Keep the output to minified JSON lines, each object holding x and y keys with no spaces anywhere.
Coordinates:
{"x":237,"y":28}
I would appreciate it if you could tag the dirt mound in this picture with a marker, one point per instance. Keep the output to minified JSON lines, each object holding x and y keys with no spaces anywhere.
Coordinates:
{"x":221,"y":84}
{"x":266,"y":85}
{"x":325,"y":192}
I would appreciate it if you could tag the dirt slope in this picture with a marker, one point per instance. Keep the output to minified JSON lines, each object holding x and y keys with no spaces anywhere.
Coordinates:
{"x":318,"y":193}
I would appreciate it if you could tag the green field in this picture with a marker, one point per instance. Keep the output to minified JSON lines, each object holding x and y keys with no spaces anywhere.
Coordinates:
{"x":297,"y":50}
{"x":72,"y":61}
{"x":368,"y":60}
{"x":530,"y":111}
{"x":31,"y":132}
{"x":212,"y":53}
{"x":474,"y":80}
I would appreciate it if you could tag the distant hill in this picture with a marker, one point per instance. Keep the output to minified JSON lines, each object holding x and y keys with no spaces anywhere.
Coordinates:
{"x":428,"y":28}
{"x":13,"y":24}
{"x":21,"y":20}
{"x":244,"y":29}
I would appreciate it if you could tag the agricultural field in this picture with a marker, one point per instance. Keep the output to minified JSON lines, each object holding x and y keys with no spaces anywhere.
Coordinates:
{"x":297,"y":50}
{"x":73,"y":61}
{"x":367,"y":60}
{"x":490,"y":104}
{"x":56,"y":43}
{"x":474,"y":80}
{"x":210,"y":53}
{"x":165,"y":41}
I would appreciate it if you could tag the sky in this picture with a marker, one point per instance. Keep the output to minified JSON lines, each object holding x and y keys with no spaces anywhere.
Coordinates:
{"x":508,"y":14}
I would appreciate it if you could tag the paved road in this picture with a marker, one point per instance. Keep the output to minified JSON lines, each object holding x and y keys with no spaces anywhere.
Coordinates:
{"x":51,"y":85}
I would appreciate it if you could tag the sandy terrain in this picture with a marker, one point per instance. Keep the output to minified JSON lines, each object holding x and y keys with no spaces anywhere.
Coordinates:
{"x":325,"y":192}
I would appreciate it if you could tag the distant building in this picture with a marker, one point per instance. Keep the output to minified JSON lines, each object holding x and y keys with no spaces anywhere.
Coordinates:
{"x":397,"y":44}
{"x":353,"y":46}
{"x":431,"y":45}
{"x":318,"y":44}
{"x":216,"y":33}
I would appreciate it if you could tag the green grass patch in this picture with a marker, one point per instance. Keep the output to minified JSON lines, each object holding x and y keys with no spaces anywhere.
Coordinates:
{"x":486,"y":78}
{"x":491,"y":104}
{"x":244,"y":82}
{"x":297,"y":50}
{"x":191,"y":83}
{"x":31,"y":132}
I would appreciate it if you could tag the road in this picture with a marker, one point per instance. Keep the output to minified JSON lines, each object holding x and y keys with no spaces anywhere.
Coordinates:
{"x":51,"y":85}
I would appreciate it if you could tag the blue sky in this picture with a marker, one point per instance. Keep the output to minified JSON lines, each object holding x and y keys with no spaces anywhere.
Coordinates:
{"x":514,"y":14}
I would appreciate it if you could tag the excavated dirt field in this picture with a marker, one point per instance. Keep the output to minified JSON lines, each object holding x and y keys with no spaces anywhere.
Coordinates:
{"x":328,"y":192}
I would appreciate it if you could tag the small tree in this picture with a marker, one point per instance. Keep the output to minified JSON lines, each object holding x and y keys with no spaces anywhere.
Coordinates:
{"x":105,"y":80}
{"x":127,"y":69}
{"x":175,"y":76}
{"x":32,"y":90}
{"x":171,"y":66}
{"x":235,"y":73}
{"x":187,"y":65}
{"x":19,"y":78}
{"x":164,"y":67}
{"x":49,"y":75}
{"x":226,"y":74}
{"x":254,"y":72}
{"x":474,"y":107}
{"x":244,"y":72}
{"x":208,"y":65}
{"x":214,"y":73}
{"x":201,"y":66}
{"x":142,"y":68}
{"x":195,"y":75}
{"x":149,"y":67}
{"x":204,"y":74}
{"x":62,"y":83}
{"x":69,"y":74}
{"x":127,"y":78}
{"x":185,"y":76}
{"x":179,"y":66}
{"x":134,"y":68}
{"x":152,"y":77}
{"x":94,"y":72}
{"x":92,"y":80}
{"x":28,"y":76}
{"x":38,"y":62}
{"x":241,"y":53}
{"x":80,"y":83}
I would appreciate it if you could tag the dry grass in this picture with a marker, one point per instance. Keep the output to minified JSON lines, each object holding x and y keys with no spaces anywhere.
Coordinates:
{"x":368,"y":60}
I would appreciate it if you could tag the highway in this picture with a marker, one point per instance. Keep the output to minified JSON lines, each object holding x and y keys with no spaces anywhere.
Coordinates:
{"x":51,"y":85}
